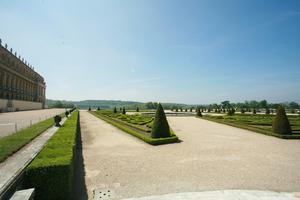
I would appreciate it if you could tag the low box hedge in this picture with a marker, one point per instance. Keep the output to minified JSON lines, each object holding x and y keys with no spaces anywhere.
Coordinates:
{"x":152,"y":141}
{"x":51,"y":172}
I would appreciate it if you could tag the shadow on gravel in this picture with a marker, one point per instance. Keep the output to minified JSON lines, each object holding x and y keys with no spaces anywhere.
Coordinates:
{"x":80,"y":191}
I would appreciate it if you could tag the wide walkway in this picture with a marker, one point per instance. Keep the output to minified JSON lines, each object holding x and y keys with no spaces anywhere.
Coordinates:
{"x":210,"y":157}
{"x":11,"y":121}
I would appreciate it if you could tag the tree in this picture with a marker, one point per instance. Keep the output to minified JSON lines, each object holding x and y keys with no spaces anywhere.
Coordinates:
{"x":281,"y":124}
{"x":160,"y":128}
{"x":89,"y":108}
{"x":98,"y":108}
{"x":123,"y":111}
{"x":137,"y":109}
{"x":267,"y":111}
{"x":254,"y":111}
{"x":263,"y":104}
{"x":191,"y":109}
{"x":115,"y":110}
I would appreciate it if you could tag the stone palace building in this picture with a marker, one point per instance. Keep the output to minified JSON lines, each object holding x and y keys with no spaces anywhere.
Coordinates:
{"x":21,"y":88}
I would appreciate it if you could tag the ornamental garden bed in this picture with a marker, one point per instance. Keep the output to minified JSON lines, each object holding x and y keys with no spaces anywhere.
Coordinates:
{"x":257,"y":123}
{"x":137,"y":125}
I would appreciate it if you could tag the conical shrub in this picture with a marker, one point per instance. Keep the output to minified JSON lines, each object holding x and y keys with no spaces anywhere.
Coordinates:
{"x":160,"y":127}
{"x":198,"y":113}
{"x":281,"y":124}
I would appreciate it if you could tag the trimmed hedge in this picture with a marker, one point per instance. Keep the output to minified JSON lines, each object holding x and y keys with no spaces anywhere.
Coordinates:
{"x":149,"y":140}
{"x":281,"y":124}
{"x":12,"y":143}
{"x":160,"y":127}
{"x":247,"y":127}
{"x":51,"y":172}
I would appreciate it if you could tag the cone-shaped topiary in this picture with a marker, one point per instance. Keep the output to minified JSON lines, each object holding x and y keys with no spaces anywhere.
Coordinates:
{"x":160,"y":127}
{"x":199,"y":114}
{"x":137,"y":109}
{"x":123,"y":111}
{"x":89,"y":108}
{"x":115,"y":110}
{"x":281,"y":124}
{"x":98,"y":108}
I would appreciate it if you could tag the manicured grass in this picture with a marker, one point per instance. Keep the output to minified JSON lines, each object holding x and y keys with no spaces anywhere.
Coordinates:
{"x":258,"y":123}
{"x":140,"y":129}
{"x":12,"y":143}
{"x":51,"y":172}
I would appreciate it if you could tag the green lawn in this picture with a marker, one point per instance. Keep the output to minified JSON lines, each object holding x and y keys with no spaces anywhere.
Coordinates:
{"x":137,"y":125}
{"x":12,"y":143}
{"x":258,"y":123}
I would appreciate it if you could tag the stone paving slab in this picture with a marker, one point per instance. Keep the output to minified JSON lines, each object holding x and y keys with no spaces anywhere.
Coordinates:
{"x":225,"y":195}
{"x":23,"y":195}
{"x":15,"y":164}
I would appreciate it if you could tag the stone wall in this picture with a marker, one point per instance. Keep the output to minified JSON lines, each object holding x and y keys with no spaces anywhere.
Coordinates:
{"x":18,"y":105}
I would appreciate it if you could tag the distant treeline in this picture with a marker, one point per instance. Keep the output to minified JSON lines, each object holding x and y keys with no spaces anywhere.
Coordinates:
{"x":132,"y":105}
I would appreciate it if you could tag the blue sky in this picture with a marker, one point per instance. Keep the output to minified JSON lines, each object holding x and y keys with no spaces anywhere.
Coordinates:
{"x":158,"y":50}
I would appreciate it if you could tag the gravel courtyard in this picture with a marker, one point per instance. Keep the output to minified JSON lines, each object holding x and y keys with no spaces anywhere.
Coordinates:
{"x":210,"y":157}
{"x":23,"y":118}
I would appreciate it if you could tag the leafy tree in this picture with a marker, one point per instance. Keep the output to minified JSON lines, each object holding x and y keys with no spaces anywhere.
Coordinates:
{"x":263,"y":104}
{"x":281,"y":124}
{"x":160,"y":128}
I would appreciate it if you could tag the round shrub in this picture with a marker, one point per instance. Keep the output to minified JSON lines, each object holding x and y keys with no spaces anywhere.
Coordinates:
{"x":281,"y":124}
{"x":160,"y":127}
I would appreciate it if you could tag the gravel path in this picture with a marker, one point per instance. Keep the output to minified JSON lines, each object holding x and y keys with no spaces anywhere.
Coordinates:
{"x":211,"y":156}
{"x":23,"y":119}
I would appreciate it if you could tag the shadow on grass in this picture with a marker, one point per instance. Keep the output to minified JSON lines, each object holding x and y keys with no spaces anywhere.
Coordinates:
{"x":80,"y":191}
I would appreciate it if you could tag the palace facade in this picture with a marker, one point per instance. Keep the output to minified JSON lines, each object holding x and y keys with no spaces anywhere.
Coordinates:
{"x":21,"y":88}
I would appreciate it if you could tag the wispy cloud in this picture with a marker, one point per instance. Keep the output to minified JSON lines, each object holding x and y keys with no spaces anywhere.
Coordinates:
{"x":287,"y":15}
